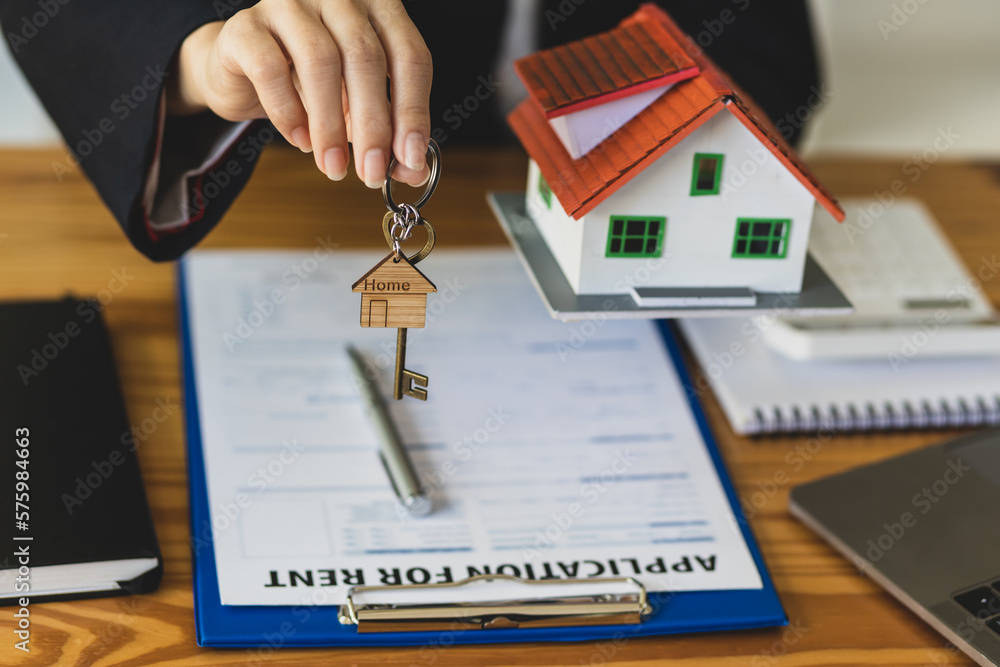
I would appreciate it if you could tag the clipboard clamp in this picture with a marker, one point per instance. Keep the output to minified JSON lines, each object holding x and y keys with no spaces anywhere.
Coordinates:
{"x":624,"y":603}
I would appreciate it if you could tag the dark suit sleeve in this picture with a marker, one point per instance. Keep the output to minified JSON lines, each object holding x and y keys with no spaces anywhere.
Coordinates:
{"x":100,"y":68}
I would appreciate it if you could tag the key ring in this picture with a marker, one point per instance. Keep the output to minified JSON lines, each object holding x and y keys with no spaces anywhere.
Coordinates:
{"x":392,"y":229}
{"x":435,"y":153}
{"x":403,"y":222}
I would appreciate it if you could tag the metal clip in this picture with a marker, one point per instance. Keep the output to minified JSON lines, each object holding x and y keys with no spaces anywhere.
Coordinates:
{"x":571,"y":602}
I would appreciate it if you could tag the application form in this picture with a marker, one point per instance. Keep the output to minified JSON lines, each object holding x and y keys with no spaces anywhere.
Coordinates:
{"x":549,"y":449}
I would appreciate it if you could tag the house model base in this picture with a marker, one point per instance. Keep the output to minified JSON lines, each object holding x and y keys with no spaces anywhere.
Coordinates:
{"x":818,"y":296}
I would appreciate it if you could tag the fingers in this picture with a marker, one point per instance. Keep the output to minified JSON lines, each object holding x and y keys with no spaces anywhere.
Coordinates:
{"x":186,"y":91}
{"x":317,"y":63}
{"x":411,"y":176}
{"x":410,"y":74}
{"x":364,"y":67}
{"x":317,"y":69}
{"x":246,"y":47}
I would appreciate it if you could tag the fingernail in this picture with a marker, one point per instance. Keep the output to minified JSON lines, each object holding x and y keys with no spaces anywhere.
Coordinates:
{"x":335,"y":163}
{"x":374,"y":167}
{"x":416,"y":151}
{"x":300,"y":139}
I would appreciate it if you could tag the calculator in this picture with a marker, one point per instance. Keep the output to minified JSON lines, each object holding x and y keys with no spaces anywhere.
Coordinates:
{"x":911,"y":293}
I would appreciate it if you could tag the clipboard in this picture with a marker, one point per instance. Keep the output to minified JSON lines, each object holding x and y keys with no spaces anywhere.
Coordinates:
{"x":219,"y":625}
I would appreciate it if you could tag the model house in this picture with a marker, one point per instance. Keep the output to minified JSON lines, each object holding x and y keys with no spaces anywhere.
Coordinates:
{"x":649,"y":168}
{"x":394,"y":294}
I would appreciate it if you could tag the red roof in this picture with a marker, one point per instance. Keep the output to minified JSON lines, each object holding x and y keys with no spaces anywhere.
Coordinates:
{"x":635,"y":56}
{"x":582,"y":184}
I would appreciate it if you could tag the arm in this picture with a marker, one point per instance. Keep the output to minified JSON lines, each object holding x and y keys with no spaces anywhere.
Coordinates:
{"x":108,"y":72}
{"x":99,"y":69}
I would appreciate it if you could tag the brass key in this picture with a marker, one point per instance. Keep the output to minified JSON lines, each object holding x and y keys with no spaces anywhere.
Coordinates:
{"x":407,"y":382}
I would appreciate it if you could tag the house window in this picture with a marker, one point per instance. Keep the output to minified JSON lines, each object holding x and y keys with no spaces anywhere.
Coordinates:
{"x":761,"y":237}
{"x":545,"y":191}
{"x":632,"y":236}
{"x":706,"y":174}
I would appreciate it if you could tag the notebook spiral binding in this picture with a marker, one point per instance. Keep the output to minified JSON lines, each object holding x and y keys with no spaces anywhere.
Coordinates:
{"x":869,"y":416}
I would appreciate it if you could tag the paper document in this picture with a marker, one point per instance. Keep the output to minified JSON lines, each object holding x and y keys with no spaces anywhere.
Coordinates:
{"x":549,"y":449}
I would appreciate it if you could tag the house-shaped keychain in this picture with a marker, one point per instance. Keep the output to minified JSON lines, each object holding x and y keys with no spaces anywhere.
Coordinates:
{"x":394,"y":294}
{"x":656,"y":187}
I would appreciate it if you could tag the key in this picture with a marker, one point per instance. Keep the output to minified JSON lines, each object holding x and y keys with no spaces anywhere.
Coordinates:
{"x":394,"y":296}
{"x":407,"y":382}
{"x":394,"y":292}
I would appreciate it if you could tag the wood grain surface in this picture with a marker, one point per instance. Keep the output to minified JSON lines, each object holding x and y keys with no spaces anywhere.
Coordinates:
{"x":400,"y":289}
{"x":56,"y":237}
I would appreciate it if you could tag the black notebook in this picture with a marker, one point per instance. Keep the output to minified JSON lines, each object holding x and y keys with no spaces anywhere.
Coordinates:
{"x":76,"y":514}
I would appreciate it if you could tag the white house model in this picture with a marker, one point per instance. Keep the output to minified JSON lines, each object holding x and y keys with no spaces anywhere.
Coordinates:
{"x":645,"y":162}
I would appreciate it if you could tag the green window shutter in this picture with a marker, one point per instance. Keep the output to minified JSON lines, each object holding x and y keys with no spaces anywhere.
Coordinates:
{"x":765,"y":238}
{"x":545,"y":191}
{"x":706,"y":174}
{"x":635,"y":236}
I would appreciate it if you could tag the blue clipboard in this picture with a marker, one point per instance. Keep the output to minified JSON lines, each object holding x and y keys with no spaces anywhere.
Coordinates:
{"x":230,"y":626}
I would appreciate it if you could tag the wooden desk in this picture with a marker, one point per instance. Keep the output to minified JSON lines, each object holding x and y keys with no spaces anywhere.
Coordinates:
{"x":57,"y":237}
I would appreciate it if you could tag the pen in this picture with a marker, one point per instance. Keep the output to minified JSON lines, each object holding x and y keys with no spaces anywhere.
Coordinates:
{"x":391,"y":450}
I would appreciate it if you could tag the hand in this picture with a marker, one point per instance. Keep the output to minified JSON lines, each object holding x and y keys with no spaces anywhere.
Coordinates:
{"x":317,"y":69}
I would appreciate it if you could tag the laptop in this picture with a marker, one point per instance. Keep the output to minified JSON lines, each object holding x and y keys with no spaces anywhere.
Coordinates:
{"x":926,"y":527}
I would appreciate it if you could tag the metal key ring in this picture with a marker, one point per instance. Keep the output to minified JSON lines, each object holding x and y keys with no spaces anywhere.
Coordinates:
{"x":394,"y":243}
{"x":432,"y":182}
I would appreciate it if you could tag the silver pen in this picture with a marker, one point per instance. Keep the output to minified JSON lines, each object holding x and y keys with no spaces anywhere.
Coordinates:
{"x":391,"y":449}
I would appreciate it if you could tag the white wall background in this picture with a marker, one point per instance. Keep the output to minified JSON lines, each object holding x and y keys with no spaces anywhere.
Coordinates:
{"x":23,"y":121}
{"x":891,"y":90}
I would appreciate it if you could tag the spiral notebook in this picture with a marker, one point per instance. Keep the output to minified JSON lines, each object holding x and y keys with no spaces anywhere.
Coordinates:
{"x":762,"y":391}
